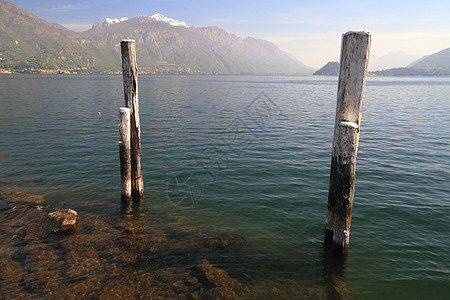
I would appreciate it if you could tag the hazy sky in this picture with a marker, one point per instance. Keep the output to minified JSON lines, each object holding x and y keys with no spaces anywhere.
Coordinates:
{"x":309,"y":30}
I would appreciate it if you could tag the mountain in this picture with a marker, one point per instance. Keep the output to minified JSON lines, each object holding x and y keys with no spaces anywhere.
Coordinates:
{"x":437,"y":64}
{"x":331,"y":68}
{"x":436,"y":61}
{"x":411,"y":72}
{"x":156,"y":17}
{"x":27,"y":41}
{"x":391,"y":60}
{"x":163,"y":45}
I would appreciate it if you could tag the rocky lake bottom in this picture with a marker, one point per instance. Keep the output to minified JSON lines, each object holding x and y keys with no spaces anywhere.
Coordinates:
{"x":144,"y":255}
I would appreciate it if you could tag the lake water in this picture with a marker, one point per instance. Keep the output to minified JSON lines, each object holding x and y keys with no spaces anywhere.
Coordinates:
{"x":250,"y":155}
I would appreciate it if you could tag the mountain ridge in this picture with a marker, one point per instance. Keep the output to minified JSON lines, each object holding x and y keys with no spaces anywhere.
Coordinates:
{"x":164,"y":45}
{"x":439,"y":60}
{"x":210,"y":49}
{"x":437,"y":64}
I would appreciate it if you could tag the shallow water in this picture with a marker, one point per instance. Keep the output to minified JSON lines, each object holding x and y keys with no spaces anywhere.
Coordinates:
{"x":250,"y":155}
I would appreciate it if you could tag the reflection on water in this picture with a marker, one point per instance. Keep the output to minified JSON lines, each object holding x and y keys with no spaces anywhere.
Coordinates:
{"x":135,"y":255}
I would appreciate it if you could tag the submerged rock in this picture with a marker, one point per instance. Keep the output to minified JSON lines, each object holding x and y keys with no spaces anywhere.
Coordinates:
{"x":13,"y":196}
{"x":42,"y":268}
{"x":3,"y":204}
{"x":10,"y":278}
{"x":82,"y":261}
{"x":62,"y":221}
{"x":138,"y":257}
{"x":223,"y":286}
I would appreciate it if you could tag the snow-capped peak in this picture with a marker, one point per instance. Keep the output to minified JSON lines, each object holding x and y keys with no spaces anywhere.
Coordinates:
{"x":114,"y":21}
{"x":156,"y":17}
{"x":110,"y":21}
{"x":173,"y":22}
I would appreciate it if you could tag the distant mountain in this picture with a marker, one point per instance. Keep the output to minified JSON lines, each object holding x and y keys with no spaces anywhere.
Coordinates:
{"x":437,"y":64}
{"x":331,"y":68}
{"x":167,"y":43}
{"x":156,"y":17}
{"x":436,"y":61}
{"x":391,"y":60}
{"x":410,"y":72}
{"x":163,"y":45}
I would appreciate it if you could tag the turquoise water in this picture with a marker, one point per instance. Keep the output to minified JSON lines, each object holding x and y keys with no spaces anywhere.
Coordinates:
{"x":251,"y":154}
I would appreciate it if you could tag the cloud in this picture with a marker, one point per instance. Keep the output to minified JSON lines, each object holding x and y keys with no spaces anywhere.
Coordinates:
{"x":268,"y":22}
{"x":301,"y":36}
{"x":77,"y":26}
{"x":422,"y":42}
{"x":64,"y":8}
{"x":415,"y":35}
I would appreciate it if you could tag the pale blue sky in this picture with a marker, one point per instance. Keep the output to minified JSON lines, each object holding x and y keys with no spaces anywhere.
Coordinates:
{"x":309,"y":30}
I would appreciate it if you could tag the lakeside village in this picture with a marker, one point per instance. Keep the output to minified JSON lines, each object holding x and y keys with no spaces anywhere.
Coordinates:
{"x":84,"y":70}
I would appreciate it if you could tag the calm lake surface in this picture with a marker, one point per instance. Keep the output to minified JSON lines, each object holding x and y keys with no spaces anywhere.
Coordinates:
{"x":251,"y":155}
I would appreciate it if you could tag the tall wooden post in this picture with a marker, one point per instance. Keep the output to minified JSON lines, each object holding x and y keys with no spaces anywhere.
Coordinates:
{"x":125,"y":154}
{"x":355,"y":49}
{"x":130,"y":84}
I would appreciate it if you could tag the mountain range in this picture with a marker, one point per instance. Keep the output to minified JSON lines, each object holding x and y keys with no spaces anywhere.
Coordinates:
{"x":437,"y":64}
{"x":164,"y":45}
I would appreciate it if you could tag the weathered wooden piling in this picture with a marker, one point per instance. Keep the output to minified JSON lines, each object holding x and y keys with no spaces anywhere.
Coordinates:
{"x":125,"y":153}
{"x":130,"y":84}
{"x":355,"y":49}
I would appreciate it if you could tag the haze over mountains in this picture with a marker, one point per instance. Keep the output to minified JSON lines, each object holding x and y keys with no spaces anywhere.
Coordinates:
{"x":437,"y":64}
{"x":391,"y":60}
{"x":163,"y":45}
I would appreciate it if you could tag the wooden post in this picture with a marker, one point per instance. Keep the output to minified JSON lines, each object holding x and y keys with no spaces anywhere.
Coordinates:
{"x":355,"y":49}
{"x":125,"y":154}
{"x":130,"y":84}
